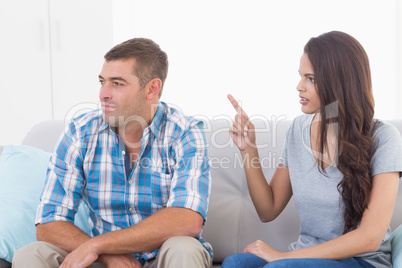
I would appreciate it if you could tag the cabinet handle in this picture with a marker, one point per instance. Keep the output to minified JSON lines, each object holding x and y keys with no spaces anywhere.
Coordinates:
{"x":56,"y":34}
{"x":42,"y":37}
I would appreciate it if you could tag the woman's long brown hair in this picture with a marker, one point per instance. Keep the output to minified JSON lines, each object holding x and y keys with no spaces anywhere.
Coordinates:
{"x":343,"y":82}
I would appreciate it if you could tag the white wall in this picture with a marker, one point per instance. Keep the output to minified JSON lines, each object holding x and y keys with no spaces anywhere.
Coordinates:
{"x":252,"y":49}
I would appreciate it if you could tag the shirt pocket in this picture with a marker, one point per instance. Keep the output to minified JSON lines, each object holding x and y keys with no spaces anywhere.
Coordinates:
{"x":160,"y":187}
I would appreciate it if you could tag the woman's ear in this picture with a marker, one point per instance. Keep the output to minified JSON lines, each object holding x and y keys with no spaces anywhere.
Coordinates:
{"x":153,"y":88}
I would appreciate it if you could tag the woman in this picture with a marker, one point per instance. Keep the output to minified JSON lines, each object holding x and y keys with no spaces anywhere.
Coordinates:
{"x":340,"y":165}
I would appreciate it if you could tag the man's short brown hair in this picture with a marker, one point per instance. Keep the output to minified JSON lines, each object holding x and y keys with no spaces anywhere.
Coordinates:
{"x":151,"y":61}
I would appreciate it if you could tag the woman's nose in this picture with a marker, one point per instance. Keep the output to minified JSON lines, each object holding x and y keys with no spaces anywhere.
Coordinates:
{"x":299,"y":86}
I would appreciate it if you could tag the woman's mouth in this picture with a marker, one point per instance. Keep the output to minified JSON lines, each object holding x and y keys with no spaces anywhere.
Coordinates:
{"x":303,"y":101}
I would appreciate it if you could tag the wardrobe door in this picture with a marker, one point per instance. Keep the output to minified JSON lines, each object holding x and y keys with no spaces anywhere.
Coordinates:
{"x":25,"y":83}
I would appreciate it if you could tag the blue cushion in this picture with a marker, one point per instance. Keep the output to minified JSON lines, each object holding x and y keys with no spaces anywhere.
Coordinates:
{"x":396,"y":243}
{"x":22,"y":176}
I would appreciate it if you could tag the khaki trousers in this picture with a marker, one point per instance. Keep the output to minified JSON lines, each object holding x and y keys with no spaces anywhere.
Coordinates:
{"x":176,"y":252}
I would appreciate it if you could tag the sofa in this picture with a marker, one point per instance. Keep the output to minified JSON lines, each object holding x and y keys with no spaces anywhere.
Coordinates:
{"x":232,"y":220}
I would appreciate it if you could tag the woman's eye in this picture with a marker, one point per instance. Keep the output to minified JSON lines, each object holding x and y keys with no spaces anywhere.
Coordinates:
{"x":312,"y":79}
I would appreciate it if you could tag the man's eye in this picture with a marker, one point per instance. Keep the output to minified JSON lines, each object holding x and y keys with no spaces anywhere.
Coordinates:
{"x":118,"y":84}
{"x":101,"y":82}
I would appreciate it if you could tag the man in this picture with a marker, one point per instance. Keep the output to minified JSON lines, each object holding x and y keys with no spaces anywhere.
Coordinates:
{"x":139,"y":166}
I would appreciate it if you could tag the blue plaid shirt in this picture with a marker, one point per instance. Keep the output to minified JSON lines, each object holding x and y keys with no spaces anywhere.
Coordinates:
{"x":90,"y":165}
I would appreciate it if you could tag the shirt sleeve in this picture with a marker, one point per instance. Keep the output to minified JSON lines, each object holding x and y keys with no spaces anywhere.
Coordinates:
{"x":283,"y":159}
{"x":387,"y":144}
{"x":64,"y":181}
{"x":191,"y":183}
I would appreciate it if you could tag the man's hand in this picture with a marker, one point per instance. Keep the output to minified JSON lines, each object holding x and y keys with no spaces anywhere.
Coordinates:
{"x":86,"y":254}
{"x":83,"y":256}
{"x":118,"y":261}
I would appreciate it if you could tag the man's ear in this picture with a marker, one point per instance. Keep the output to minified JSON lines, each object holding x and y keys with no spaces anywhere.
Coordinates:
{"x":153,"y":88}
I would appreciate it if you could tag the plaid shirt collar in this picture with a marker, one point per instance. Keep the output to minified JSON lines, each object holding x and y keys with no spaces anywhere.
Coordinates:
{"x":154,"y":127}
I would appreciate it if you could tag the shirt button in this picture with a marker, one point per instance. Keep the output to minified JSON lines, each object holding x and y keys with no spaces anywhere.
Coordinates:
{"x":131,"y":210}
{"x":123,"y":152}
{"x":130,"y":181}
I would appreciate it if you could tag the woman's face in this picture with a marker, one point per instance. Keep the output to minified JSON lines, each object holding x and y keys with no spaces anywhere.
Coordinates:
{"x":309,"y":98}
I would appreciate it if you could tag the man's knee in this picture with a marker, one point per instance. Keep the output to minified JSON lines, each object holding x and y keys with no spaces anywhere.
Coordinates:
{"x":28,"y":251}
{"x":182,"y":244}
{"x":183,"y":250}
{"x":38,"y":254}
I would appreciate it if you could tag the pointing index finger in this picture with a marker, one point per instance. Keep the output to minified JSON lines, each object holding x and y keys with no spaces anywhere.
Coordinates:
{"x":236,"y":105}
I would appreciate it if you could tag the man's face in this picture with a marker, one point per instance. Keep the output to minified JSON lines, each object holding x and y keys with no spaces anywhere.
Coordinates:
{"x":120,"y":94}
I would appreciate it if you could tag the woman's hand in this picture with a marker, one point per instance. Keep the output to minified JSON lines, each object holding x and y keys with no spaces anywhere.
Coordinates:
{"x":242,"y":131}
{"x":263,"y":251}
